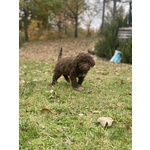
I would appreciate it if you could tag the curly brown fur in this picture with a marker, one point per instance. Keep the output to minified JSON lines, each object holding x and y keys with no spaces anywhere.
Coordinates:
{"x":73,"y":69}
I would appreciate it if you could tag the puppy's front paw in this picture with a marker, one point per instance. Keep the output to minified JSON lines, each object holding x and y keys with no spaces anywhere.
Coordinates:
{"x":80,"y":88}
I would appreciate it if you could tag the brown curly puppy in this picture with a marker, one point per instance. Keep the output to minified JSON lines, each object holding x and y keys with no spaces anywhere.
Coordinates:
{"x":73,"y":68}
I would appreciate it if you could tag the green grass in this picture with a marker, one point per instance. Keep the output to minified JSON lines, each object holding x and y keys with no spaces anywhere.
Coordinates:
{"x":105,"y":86}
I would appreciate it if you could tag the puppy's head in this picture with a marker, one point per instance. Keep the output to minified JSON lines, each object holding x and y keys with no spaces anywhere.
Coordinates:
{"x":84,"y":61}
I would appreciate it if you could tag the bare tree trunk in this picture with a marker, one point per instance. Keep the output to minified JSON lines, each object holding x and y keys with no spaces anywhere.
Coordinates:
{"x":103,"y":15}
{"x":76,"y":27}
{"x":26,"y":25}
{"x":88,"y":31}
{"x":114,"y":9}
{"x":59,"y":26}
{"x":130,"y":15}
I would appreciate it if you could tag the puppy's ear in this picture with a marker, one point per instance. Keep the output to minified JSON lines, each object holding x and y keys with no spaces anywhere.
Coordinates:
{"x":92,"y":62}
{"x":77,"y":59}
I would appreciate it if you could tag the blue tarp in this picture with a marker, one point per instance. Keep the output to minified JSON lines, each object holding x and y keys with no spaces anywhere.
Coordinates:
{"x":116,"y":57}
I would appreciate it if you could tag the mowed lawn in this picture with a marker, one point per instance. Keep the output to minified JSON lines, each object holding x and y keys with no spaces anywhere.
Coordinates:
{"x":59,"y":118}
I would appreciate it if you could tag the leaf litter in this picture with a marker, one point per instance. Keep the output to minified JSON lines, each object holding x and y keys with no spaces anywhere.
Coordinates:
{"x":106,"y":121}
{"x":45,"y":110}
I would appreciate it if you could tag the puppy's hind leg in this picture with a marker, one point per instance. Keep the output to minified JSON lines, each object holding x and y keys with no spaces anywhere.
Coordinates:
{"x":55,"y":77}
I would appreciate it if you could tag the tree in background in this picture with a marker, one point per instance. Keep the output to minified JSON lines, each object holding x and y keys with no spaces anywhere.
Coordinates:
{"x":119,"y":11}
{"x":38,"y":11}
{"x":52,"y":14}
{"x":41,"y":9}
{"x":74,"y":9}
{"x":93,"y":10}
{"x":108,"y":41}
{"x":24,"y":15}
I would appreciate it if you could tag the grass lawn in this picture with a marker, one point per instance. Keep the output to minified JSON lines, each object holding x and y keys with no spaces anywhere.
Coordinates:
{"x":59,"y":118}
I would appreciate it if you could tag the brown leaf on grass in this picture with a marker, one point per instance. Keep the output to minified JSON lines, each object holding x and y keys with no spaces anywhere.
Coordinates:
{"x":95,"y":111}
{"x":81,"y":115}
{"x":117,"y":74}
{"x":22,"y":82}
{"x":105,"y":121}
{"x":35,"y":80}
{"x":130,"y":93}
{"x":45,"y":110}
{"x":51,"y":91}
{"x":54,"y":112}
{"x":129,"y":79}
{"x":129,"y":128}
{"x":119,"y":104}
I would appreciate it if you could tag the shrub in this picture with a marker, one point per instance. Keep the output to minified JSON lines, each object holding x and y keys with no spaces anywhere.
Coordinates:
{"x":109,"y":42}
{"x":126,"y":47}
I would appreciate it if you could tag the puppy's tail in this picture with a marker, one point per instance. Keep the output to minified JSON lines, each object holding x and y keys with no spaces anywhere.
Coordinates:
{"x":60,"y":54}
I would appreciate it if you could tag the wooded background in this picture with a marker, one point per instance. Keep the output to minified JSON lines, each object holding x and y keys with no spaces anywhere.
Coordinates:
{"x":49,"y":19}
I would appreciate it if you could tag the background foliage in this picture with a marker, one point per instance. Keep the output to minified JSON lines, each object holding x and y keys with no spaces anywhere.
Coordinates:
{"x":126,"y":47}
{"x":109,"y":42}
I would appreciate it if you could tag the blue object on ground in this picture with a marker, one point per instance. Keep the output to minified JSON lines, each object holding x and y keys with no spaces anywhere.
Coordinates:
{"x":117,"y":57}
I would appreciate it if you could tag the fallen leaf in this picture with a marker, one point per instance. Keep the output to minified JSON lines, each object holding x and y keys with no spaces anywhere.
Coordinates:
{"x":129,"y":128}
{"x":117,"y":74}
{"x":95,"y":111}
{"x":51,"y":91}
{"x":22,"y":82}
{"x":35,"y":80}
{"x":81,"y":115}
{"x":45,"y":110}
{"x":119,"y":104}
{"x":105,"y":121}
{"x":130,"y":93}
{"x":54,"y":112}
{"x":128,"y":79}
